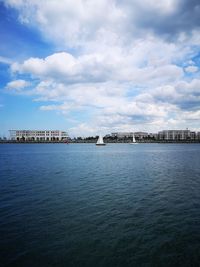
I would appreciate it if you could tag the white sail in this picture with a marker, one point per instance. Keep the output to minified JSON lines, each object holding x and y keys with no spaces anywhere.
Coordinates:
{"x":100,"y":141}
{"x":134,"y":141}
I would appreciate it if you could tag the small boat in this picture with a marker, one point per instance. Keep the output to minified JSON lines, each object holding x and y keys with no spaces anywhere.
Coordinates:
{"x":100,"y":141}
{"x":134,"y":141}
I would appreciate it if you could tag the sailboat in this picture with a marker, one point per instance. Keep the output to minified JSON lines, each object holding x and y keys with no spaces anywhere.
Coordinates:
{"x":134,"y":141}
{"x":100,"y":141}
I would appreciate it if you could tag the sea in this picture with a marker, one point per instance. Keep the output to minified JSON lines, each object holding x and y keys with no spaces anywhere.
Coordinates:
{"x":114,"y":205}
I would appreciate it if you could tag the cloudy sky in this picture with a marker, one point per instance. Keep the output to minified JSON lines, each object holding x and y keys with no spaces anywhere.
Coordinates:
{"x":106,"y":65}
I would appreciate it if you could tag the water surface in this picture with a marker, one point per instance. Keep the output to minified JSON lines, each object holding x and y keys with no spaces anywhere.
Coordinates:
{"x":82,"y":205}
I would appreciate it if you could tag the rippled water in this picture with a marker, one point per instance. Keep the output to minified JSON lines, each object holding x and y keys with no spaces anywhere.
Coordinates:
{"x":82,"y":205}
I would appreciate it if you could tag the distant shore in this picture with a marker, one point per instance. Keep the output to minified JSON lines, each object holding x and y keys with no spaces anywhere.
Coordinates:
{"x":107,"y":142}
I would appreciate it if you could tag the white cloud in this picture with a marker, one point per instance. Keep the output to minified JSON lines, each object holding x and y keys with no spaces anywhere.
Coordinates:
{"x":192,"y":115}
{"x":69,"y":23}
{"x":5,"y":60}
{"x":140,"y":65}
{"x":75,"y":23}
{"x":191,"y":69}
{"x":17,"y":85}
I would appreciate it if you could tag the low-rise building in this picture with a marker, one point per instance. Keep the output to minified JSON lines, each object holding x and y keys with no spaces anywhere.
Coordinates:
{"x":122,"y":134}
{"x":107,"y":136}
{"x":175,"y":135}
{"x":192,"y":135}
{"x":153,"y":136}
{"x":138,"y":135}
{"x":38,"y":135}
{"x":141,"y":135}
{"x":198,"y":136}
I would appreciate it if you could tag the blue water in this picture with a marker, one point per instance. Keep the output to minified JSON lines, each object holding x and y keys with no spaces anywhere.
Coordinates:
{"x":82,"y":205}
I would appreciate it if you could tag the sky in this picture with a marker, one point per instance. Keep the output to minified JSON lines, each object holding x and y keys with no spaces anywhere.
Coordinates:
{"x":88,"y":66}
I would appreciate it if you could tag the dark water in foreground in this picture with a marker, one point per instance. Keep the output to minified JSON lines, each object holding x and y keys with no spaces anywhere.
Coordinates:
{"x":82,"y":205}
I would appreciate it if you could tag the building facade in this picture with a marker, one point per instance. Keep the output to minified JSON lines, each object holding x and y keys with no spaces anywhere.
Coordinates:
{"x":171,"y":135}
{"x":176,"y":135}
{"x":38,"y":135}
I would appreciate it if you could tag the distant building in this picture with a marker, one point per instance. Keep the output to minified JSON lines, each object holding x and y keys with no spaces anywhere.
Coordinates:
{"x":138,"y":135}
{"x":38,"y":135}
{"x":107,"y":136}
{"x":122,"y":134}
{"x":175,"y":135}
{"x":153,"y":135}
{"x":141,"y":135}
{"x":193,"y":135}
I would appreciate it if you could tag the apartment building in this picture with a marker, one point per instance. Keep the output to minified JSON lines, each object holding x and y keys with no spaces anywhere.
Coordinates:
{"x":176,"y":135}
{"x":38,"y":135}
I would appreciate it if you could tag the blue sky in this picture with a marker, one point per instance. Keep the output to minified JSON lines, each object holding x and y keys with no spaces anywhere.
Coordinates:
{"x":106,"y":66}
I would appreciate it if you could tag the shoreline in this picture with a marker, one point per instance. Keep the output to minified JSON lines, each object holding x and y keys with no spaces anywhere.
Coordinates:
{"x":106,"y":142}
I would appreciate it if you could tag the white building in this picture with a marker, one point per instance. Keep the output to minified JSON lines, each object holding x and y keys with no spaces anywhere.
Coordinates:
{"x":38,"y":135}
{"x":175,"y":135}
